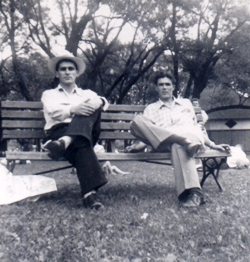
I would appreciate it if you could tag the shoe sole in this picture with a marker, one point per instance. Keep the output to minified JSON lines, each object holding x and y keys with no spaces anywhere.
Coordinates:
{"x":55,"y":152}
{"x":44,"y":145}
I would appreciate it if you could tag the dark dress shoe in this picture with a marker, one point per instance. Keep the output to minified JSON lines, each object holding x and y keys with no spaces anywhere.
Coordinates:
{"x":56,"y":148}
{"x":91,"y":202}
{"x":194,"y":200}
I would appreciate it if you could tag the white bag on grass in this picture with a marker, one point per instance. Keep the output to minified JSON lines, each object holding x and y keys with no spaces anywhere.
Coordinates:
{"x":238,"y":158}
{"x":16,"y":188}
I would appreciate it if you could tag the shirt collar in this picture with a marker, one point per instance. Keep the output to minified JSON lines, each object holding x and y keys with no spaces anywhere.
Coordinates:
{"x":161,"y":104}
{"x":75,"y":90}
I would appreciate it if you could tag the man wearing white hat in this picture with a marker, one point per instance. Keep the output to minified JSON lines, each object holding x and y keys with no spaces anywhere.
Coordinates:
{"x":73,"y":125}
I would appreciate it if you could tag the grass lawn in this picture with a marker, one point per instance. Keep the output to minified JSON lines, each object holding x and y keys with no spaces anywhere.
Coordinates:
{"x":58,"y":228}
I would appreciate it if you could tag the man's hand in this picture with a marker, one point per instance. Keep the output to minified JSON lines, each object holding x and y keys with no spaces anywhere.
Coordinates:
{"x":83,"y":108}
{"x":96,"y":102}
{"x":221,"y":147}
{"x":87,"y":107}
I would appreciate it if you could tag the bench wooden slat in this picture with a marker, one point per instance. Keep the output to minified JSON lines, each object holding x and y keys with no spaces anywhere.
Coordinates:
{"x":17,"y":155}
{"x":38,"y":105}
{"x":212,"y":153}
{"x":116,"y":135}
{"x":126,"y":108}
{"x":21,"y":105}
{"x":23,"y":124}
{"x":117,"y":116}
{"x":36,"y":134}
{"x":29,"y":134}
{"x":115,"y":126}
{"x":39,"y":124}
{"x":15,"y":114}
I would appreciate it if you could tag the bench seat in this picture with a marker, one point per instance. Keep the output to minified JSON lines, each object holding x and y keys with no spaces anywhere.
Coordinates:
{"x":20,"y":155}
{"x":25,"y":121}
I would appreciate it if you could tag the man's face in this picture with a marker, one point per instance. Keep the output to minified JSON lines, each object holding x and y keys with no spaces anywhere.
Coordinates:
{"x":67,"y":73}
{"x":164,"y":88}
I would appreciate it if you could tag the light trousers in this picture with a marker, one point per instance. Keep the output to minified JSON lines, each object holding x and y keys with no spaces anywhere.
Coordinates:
{"x":186,"y":176}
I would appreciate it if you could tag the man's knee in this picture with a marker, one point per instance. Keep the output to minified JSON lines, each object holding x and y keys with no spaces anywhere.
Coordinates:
{"x":137,"y":123}
{"x":138,"y":119}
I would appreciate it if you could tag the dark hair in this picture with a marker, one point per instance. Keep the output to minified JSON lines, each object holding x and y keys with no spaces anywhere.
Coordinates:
{"x":55,"y":82}
{"x":162,"y":75}
{"x":66,"y":60}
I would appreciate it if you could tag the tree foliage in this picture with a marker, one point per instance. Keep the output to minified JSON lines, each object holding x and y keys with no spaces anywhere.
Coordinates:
{"x":202,"y":43}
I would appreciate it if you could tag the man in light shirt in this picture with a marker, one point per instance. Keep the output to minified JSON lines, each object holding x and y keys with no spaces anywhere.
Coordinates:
{"x":72,"y":126}
{"x":171,"y":123}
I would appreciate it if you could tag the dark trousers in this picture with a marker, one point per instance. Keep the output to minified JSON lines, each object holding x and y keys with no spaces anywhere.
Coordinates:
{"x":80,"y":153}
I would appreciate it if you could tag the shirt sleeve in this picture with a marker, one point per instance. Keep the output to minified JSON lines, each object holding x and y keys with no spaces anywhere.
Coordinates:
{"x":55,"y":109}
{"x":192,"y":111}
{"x":104,"y":100}
{"x":105,"y":103}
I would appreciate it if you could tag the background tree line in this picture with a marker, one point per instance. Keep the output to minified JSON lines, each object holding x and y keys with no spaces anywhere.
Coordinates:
{"x":204,"y":44}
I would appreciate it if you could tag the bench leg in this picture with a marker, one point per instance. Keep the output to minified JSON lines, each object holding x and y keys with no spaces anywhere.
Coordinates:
{"x":211,"y":169}
{"x":109,"y":146}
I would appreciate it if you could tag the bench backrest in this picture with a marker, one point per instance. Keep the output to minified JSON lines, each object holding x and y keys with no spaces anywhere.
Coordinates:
{"x":25,"y":120}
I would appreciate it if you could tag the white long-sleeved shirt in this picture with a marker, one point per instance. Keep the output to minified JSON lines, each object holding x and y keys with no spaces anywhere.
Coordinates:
{"x":57,"y":104}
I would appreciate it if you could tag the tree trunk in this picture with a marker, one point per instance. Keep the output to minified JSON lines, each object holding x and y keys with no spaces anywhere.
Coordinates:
{"x":18,"y":76}
{"x":76,"y":34}
{"x":188,"y":90}
{"x":175,"y":53}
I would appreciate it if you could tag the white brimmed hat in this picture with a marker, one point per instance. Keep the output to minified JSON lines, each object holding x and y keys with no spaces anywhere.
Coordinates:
{"x":66,"y":55}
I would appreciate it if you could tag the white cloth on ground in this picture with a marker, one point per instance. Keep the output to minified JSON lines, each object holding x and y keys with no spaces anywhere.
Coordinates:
{"x":16,"y":188}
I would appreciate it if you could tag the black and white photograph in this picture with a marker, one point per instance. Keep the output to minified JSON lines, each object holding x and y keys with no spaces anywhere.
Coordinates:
{"x":124,"y":130}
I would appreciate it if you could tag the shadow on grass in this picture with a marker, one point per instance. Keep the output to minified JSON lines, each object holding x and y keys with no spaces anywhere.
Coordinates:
{"x":70,"y":195}
{"x":145,"y":191}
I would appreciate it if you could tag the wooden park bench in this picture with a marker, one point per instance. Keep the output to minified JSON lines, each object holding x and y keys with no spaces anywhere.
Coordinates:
{"x":25,"y":121}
